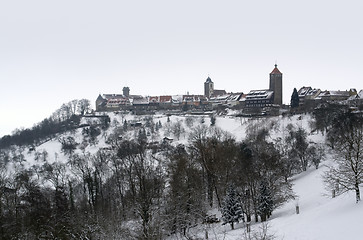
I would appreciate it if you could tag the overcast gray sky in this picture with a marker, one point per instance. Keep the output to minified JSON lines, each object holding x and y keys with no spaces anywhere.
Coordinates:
{"x":54,"y":51}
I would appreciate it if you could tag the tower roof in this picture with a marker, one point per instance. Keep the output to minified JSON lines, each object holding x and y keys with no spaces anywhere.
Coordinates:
{"x":208,"y":80}
{"x":276,"y":70}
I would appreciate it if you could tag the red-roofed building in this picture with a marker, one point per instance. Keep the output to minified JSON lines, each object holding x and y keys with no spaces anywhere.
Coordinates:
{"x":165,"y":99}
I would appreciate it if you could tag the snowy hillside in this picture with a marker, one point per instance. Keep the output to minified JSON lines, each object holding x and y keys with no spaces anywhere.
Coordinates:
{"x":320,"y":216}
{"x":233,"y":125}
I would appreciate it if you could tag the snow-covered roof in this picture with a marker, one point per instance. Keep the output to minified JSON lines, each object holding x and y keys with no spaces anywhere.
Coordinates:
{"x":339,"y":93}
{"x":140,"y":101}
{"x":357,"y":96}
{"x":303,"y":91}
{"x":259,"y":94}
{"x":113,"y":96}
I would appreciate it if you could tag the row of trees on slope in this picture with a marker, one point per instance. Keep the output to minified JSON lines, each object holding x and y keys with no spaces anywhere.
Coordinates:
{"x":66,"y":118}
{"x":129,"y":191}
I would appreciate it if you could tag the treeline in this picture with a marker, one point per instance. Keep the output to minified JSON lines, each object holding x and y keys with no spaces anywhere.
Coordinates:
{"x":133,"y":191}
{"x":66,"y":118}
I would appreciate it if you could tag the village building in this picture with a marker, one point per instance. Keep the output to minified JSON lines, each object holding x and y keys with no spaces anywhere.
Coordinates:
{"x":259,"y":98}
{"x":256,"y":101}
{"x":334,"y":96}
{"x":356,"y":100}
{"x":111,"y":102}
{"x":307,"y":96}
{"x":267,"y":97}
{"x":115,"y":102}
{"x":209,"y":90}
{"x":162,"y":102}
{"x":194,"y":100}
{"x":226,"y":100}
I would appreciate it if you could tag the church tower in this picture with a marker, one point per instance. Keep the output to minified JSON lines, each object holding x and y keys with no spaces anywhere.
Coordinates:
{"x":276,"y":85}
{"x":208,"y":87}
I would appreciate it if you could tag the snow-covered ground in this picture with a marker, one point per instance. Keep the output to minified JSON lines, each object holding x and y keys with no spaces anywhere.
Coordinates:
{"x":321,"y":217}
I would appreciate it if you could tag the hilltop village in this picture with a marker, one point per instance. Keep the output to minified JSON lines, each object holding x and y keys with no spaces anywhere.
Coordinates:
{"x":265,"y":101}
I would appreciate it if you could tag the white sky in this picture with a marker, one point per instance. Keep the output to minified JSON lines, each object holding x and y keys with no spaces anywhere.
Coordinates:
{"x":54,"y":51}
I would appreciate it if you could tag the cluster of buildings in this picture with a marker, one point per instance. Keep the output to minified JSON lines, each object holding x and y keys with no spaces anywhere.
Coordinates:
{"x":255,"y":100}
{"x":310,"y":97}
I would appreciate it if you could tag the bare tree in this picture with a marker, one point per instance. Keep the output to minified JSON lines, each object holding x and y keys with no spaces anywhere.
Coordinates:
{"x":349,"y":138}
{"x":299,"y":146}
{"x":84,"y":105}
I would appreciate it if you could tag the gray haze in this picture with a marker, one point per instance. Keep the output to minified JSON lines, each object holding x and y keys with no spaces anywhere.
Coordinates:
{"x":54,"y":51}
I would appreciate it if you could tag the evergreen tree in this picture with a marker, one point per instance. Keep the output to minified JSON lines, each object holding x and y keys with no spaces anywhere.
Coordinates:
{"x":294,"y":99}
{"x":142,"y":137}
{"x":265,"y":206}
{"x":232,"y":208}
{"x":125,"y":125}
{"x":212,"y":120}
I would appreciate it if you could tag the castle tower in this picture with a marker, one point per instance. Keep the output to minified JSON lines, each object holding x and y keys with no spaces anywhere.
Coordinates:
{"x":276,"y":85}
{"x":208,"y":87}
{"x":126,"y":91}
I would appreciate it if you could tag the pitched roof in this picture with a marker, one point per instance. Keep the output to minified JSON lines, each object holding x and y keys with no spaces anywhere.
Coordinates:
{"x":276,"y":70}
{"x":164,"y":99}
{"x":154,"y":99}
{"x":100,"y":98}
{"x":218,"y":92}
{"x":113,"y":96}
{"x":357,"y":96}
{"x":259,"y":94}
{"x":208,"y":80}
{"x":304,"y":91}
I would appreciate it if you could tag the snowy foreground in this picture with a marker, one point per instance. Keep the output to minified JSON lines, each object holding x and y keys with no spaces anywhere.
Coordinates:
{"x":321,"y":217}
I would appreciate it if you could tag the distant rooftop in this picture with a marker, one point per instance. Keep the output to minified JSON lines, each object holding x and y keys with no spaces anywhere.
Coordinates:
{"x":276,"y":70}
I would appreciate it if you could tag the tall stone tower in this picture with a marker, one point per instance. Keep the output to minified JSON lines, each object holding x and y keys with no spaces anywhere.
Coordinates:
{"x":126,"y":91}
{"x":208,"y":87}
{"x":276,"y":85}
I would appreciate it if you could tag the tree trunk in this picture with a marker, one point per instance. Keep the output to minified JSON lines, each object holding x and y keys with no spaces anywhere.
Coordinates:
{"x":357,"y":193}
{"x":217,"y":195}
{"x":256,"y":216}
{"x":210,"y":189}
{"x":248,"y":217}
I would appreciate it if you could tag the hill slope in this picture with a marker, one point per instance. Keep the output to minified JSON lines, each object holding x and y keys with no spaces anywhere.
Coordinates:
{"x":321,"y":217}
